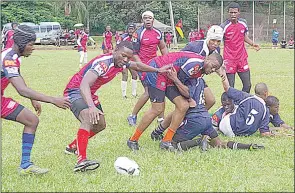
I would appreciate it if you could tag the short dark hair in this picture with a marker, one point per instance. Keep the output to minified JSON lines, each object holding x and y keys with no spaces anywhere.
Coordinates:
{"x":233,"y":5}
{"x":126,"y":44}
{"x":260,"y":88}
{"x":225,"y":97}
{"x":271,"y":100}
{"x":218,"y":57}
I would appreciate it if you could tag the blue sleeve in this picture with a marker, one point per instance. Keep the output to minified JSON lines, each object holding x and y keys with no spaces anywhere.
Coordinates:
{"x":277,"y":121}
{"x":136,"y":42}
{"x":192,"y":86}
{"x":263,"y":127}
{"x":10,"y":67}
{"x":192,"y":67}
{"x":183,"y":77}
{"x":237,"y":95}
{"x":217,"y":116}
{"x":193,"y":47}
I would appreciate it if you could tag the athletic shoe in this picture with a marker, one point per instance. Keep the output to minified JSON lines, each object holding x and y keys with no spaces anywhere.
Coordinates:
{"x":204,"y":143}
{"x":71,"y":151}
{"x":32,"y":169}
{"x":132,"y":120}
{"x":256,"y":146}
{"x":167,"y":145}
{"x":86,"y":165}
{"x":133,"y":145}
{"x":156,"y":137}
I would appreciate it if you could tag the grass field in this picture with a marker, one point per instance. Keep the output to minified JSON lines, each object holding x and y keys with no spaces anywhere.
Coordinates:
{"x":217,"y":170}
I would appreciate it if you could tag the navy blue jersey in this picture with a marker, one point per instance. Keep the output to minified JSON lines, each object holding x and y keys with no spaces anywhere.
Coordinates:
{"x":276,"y":120}
{"x":199,"y":47}
{"x":250,"y":115}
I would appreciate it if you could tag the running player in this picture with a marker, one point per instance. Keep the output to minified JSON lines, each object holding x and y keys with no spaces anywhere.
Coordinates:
{"x":107,"y":44}
{"x":82,"y":45}
{"x":24,"y":38}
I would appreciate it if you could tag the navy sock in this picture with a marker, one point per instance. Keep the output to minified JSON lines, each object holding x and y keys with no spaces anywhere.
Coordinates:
{"x":27,"y":144}
{"x":159,"y":130}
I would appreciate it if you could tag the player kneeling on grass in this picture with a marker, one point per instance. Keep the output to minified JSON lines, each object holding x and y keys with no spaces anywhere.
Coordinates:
{"x":24,"y":38}
{"x":250,"y":114}
{"x":85,"y":105}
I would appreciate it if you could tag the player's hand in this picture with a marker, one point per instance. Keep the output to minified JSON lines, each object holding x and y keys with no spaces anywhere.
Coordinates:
{"x":172,"y":75}
{"x":94,"y":115}
{"x":221,"y":72}
{"x":61,"y":102}
{"x":256,"y":47}
{"x":164,"y":69}
{"x":37,"y":107}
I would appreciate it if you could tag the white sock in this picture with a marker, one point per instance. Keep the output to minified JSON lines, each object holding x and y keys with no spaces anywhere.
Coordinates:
{"x":81,"y":56}
{"x":134,"y":86}
{"x":85,"y":57}
{"x":124,"y":87}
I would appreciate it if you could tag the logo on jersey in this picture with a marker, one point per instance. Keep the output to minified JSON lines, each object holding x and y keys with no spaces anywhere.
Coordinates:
{"x":194,"y":70}
{"x":9,"y":63}
{"x":134,"y":37}
{"x":242,"y":31}
{"x":250,"y":120}
{"x":103,"y":66}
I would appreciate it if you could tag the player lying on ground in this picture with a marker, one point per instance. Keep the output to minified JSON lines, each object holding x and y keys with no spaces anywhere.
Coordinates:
{"x":24,"y":38}
{"x":187,"y":65}
{"x":85,"y":104}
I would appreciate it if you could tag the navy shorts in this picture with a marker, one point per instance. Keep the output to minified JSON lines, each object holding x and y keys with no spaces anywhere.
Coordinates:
{"x":158,"y":96}
{"x":78,"y":105}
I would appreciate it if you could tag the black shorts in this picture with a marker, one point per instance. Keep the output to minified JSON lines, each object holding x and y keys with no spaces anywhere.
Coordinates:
{"x":12,"y":116}
{"x":158,"y":96}
{"x":78,"y":105}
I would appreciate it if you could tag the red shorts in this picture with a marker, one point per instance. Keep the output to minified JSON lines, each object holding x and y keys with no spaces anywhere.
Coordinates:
{"x":168,"y":41}
{"x":8,"y":106}
{"x":233,"y":66}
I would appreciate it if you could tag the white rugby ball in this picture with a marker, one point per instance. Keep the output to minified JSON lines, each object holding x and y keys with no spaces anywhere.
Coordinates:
{"x":126,"y":166}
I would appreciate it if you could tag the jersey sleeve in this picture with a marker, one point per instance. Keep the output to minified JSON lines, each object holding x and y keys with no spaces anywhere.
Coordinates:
{"x":193,"y":47}
{"x":10,"y":67}
{"x":217,"y":116}
{"x":136,"y":42}
{"x":277,"y":121}
{"x":99,"y":68}
{"x":263,"y":127}
{"x":237,"y":95}
{"x":120,"y":38}
{"x":192,"y":67}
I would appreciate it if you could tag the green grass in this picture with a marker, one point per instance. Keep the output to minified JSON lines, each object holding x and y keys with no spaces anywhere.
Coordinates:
{"x":217,"y":170}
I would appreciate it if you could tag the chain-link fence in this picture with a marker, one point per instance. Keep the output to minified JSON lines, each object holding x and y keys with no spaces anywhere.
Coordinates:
{"x":265,"y":14}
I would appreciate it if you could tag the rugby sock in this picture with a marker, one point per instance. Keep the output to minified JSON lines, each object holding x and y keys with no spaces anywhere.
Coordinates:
{"x":136,"y":135}
{"x":134,"y":86}
{"x":74,"y":143}
{"x":82,"y":142}
{"x":159,"y":130}
{"x":169,"y":135}
{"x":236,"y":145}
{"x":185,"y":145}
{"x":27,"y":144}
{"x":124,"y":87}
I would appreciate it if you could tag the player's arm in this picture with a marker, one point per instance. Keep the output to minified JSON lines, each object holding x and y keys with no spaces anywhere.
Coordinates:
{"x":139,"y":66}
{"x":19,"y":84}
{"x":79,"y":40}
{"x":221,"y":72}
{"x":251,"y":43}
{"x":104,"y":39}
{"x":162,"y":47}
{"x":91,"y":39}
{"x":284,"y":125}
{"x":183,"y":89}
{"x":263,"y":127}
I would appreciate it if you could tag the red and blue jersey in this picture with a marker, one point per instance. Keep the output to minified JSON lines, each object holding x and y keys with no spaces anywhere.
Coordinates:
{"x":82,"y":41}
{"x":10,"y":67}
{"x":200,"y":47}
{"x":276,"y":120}
{"x":9,"y":39}
{"x":250,"y":115}
{"x":234,"y":35}
{"x":124,"y":37}
{"x":108,"y":36}
{"x":103,"y":66}
{"x":145,"y":43}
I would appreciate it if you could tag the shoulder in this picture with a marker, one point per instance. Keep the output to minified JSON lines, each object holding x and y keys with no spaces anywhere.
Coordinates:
{"x":157,"y":30}
{"x":224,"y":24}
{"x":243,"y":21}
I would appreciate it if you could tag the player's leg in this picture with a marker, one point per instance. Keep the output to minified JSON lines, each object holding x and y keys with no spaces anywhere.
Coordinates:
{"x":124,"y":82}
{"x":81,"y":58}
{"x":246,"y":80}
{"x":157,"y":99}
{"x":217,"y":142}
{"x":231,"y":79}
{"x":11,"y":110}
{"x":157,"y":134}
{"x":225,"y":126}
{"x":209,"y":98}
{"x":85,"y":57}
{"x":133,"y":82}
{"x":138,"y":106}
{"x":231,"y":69}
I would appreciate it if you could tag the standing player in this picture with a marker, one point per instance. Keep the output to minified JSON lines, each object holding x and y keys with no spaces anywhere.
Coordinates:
{"x":191,"y":36}
{"x":275,"y":38}
{"x":8,"y":36}
{"x":127,"y":37}
{"x":187,"y":65}
{"x":24,"y":38}
{"x":82,"y":45}
{"x":168,"y":38}
{"x":251,"y":113}
{"x":235,"y":54}
{"x":203,"y":48}
{"x":107,"y":44}
{"x":85,"y":105}
{"x":147,"y":40}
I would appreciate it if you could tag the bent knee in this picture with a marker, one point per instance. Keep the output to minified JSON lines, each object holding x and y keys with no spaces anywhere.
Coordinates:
{"x":32,"y":121}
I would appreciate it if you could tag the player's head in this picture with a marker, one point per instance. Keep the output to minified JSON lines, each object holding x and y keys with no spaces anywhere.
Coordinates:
{"x":14,"y":25}
{"x":147,"y":19}
{"x":214,"y":37}
{"x":273,"y":104}
{"x":227,"y":103}
{"x":234,"y":11}
{"x":123,"y":53}
{"x":86,"y":30}
{"x":108,"y":28}
{"x":212,"y":63}
{"x":131,"y":28}
{"x":24,"y":38}
{"x":261,"y":90}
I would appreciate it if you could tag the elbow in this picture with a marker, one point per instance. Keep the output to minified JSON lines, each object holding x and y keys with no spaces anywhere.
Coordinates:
{"x":23,"y":92}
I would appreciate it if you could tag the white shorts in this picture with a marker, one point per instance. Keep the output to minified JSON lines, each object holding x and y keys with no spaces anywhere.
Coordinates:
{"x":225,"y":126}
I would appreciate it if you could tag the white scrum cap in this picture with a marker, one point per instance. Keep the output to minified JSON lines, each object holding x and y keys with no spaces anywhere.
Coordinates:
{"x":215,"y":32}
{"x":148,"y":13}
